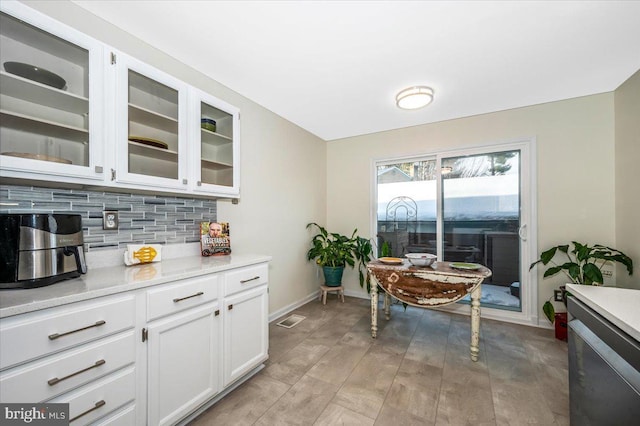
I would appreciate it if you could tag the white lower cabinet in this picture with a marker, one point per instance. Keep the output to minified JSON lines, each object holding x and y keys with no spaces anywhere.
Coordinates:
{"x":91,"y":402}
{"x":246,"y":332}
{"x":150,"y":356}
{"x":82,"y":354}
{"x":199,"y":342}
{"x":183,"y":363}
{"x":125,"y":417}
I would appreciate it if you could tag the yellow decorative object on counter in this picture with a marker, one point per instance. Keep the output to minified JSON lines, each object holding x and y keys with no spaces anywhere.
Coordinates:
{"x":142,"y":253}
{"x":146,"y":254}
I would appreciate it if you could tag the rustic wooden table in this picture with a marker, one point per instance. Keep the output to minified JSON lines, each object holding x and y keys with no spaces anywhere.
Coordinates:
{"x":427,"y":287}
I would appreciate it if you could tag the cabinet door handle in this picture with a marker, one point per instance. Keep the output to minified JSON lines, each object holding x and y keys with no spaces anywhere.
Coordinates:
{"x":217,"y":312}
{"x":230,"y":307}
{"x":250,"y":279}
{"x":55,"y":380}
{"x":200,"y":293}
{"x":95,"y":407}
{"x":199,"y":183}
{"x":54,"y":336}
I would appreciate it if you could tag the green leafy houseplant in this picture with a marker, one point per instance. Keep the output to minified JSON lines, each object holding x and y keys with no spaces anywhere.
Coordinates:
{"x":333,"y":250}
{"x":363,"y":252}
{"x":582,"y":265}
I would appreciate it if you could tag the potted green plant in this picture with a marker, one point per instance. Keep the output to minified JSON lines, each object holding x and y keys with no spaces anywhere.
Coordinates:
{"x":334,"y":251}
{"x":582,"y":265}
{"x":363,"y":252}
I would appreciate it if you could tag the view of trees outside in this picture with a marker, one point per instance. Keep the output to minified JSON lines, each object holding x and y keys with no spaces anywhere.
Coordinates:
{"x":495,"y":164}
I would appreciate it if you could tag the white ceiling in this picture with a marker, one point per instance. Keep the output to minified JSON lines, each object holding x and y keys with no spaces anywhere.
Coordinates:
{"x":334,"y":67}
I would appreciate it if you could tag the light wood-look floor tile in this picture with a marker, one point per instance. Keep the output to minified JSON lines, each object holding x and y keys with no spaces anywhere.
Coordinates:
{"x":294,"y":364}
{"x":390,"y":416}
{"x":327,"y":370}
{"x":416,"y":389}
{"x":338,"y":363}
{"x":246,"y":404}
{"x":301,"y":405}
{"x":335,"y":414}
{"x":465,"y":394}
{"x":367,"y":386}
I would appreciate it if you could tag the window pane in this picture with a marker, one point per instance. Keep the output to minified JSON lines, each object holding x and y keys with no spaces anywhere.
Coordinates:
{"x":406,"y":207}
{"x":481,"y":218}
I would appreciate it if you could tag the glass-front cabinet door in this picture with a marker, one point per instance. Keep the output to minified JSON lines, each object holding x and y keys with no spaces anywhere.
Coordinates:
{"x":51,"y":121}
{"x":214,"y":132}
{"x":151,"y":109}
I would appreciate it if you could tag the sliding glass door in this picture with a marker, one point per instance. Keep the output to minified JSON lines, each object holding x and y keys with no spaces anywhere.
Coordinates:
{"x":468,"y":206}
{"x":480,"y":206}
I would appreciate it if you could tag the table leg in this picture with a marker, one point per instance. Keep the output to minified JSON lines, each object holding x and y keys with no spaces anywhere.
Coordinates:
{"x":374,"y":310}
{"x":475,"y":323}
{"x":387,"y":306}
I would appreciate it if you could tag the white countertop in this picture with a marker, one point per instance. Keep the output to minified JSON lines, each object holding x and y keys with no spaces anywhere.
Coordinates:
{"x":106,"y":280}
{"x":621,"y":306}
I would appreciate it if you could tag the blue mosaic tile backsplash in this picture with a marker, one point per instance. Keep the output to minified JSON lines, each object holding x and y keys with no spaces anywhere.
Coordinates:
{"x":144,"y":219}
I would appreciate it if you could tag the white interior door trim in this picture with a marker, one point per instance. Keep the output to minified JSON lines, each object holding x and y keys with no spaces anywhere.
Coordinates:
{"x":529,"y":315}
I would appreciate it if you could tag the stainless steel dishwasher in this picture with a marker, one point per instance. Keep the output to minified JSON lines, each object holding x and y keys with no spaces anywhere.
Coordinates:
{"x":604,"y":370}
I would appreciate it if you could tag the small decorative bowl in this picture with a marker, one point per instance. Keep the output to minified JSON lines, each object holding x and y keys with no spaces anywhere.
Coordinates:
{"x":421,"y":259}
{"x":208,"y":124}
{"x":34,"y":73}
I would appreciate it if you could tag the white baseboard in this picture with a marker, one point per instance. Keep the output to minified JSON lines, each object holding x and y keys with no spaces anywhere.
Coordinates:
{"x":355,"y":293}
{"x":291,"y":307}
{"x":295,"y":305}
{"x":487,"y":314}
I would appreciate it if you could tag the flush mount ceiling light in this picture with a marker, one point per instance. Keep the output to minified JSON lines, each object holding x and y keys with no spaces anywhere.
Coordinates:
{"x":414,"y":97}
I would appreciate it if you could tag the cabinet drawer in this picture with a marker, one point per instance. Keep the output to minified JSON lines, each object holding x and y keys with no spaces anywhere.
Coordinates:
{"x":33,"y":335}
{"x":96,"y":400}
{"x":182,"y":295}
{"x":246,"y":278}
{"x":52,"y":376}
{"x":126,"y":417}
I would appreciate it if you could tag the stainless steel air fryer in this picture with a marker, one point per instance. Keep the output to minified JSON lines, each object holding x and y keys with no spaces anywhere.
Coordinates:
{"x":40,"y":249}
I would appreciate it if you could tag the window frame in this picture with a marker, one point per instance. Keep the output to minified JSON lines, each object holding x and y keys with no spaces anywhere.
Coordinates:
{"x":529,"y":313}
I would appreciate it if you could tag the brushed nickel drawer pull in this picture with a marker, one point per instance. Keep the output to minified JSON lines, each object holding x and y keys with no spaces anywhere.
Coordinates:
{"x":95,"y":407}
{"x":54,"y":336}
{"x":250,"y":279}
{"x":200,"y":293}
{"x":55,"y":380}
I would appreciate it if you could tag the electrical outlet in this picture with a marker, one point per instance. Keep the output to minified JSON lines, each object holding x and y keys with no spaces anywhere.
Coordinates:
{"x":557,"y":295}
{"x":109,"y":220}
{"x":607,"y":274}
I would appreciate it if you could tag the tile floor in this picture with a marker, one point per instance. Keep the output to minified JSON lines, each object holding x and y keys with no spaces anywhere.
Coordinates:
{"x":327,"y":370}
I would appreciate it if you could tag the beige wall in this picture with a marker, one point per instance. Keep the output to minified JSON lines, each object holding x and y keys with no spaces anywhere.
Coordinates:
{"x":282,"y":166}
{"x":575,"y":178}
{"x":290,"y":177}
{"x":627,"y":172}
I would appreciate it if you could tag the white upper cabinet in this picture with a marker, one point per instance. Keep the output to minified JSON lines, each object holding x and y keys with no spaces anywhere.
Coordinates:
{"x":74,"y":110}
{"x":51,"y":99}
{"x":214,"y":136}
{"x":151,"y":131}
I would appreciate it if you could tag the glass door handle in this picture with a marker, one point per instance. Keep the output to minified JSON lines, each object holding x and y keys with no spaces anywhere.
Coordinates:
{"x":521,"y":232}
